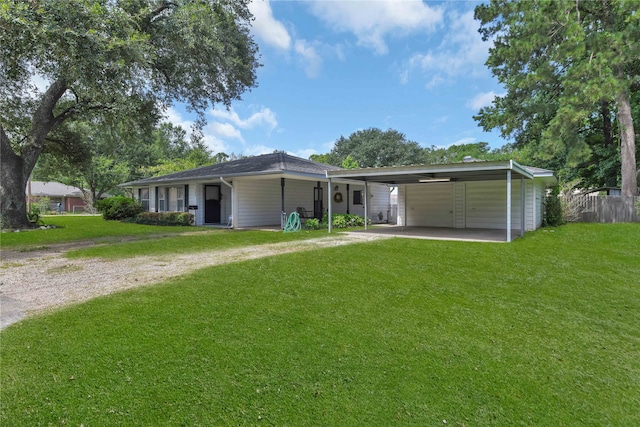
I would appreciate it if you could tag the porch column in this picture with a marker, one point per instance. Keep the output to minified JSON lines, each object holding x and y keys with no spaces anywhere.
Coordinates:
{"x":366,"y":204}
{"x":330,"y":211}
{"x":522,"y":207}
{"x":508,"y":205}
{"x":283,"y":213}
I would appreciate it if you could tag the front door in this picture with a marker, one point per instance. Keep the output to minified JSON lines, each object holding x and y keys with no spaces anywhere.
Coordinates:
{"x":318,"y":209}
{"x":212,"y":204}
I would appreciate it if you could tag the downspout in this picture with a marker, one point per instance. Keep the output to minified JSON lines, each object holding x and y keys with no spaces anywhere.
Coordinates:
{"x":233,"y":215}
{"x":283,"y":213}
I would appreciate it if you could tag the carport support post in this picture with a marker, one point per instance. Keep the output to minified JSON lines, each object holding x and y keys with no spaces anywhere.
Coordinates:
{"x":329,"y":212}
{"x":366,"y":204}
{"x":522,"y":206}
{"x":508,"y":205}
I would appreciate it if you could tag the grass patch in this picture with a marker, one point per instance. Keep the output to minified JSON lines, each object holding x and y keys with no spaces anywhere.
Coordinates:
{"x":541,"y":331}
{"x":78,"y":228}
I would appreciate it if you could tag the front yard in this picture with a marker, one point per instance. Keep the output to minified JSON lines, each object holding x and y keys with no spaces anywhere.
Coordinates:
{"x":541,"y":331}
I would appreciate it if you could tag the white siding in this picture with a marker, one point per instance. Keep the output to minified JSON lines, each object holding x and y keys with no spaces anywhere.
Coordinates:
{"x":258,"y":202}
{"x":402,"y":206}
{"x":486,"y":204}
{"x":380,"y":203}
{"x":459,"y":205}
{"x":430,"y":205}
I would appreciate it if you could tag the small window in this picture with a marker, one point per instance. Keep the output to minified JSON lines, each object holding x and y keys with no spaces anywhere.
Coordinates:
{"x":180,"y":199}
{"x":162,"y":207}
{"x":357,"y":197}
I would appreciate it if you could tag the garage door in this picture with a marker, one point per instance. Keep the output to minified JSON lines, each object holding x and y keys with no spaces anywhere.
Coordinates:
{"x":486,"y":204}
{"x":430,"y":205}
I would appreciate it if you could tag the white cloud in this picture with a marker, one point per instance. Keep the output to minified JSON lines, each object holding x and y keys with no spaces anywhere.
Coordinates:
{"x":461,"y":53}
{"x":256,"y":150}
{"x":481,"y":100}
{"x":372,"y":21}
{"x":462,"y":141}
{"x":224,"y":130}
{"x":265,"y":117}
{"x":310,"y":57}
{"x":266,"y":27}
{"x":210,"y":139}
{"x":304,"y":153}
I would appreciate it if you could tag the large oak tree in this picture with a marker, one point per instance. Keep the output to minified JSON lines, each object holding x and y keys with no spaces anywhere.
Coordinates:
{"x":64,"y":60}
{"x":563,"y":62}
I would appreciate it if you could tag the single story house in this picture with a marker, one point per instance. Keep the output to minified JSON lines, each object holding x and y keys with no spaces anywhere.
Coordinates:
{"x":259,"y":191}
{"x":500,"y":195}
{"x":70,"y":198}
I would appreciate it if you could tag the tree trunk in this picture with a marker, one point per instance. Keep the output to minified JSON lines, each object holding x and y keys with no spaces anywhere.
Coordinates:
{"x":627,"y":146}
{"x":16,"y":168}
{"x":13,"y":200}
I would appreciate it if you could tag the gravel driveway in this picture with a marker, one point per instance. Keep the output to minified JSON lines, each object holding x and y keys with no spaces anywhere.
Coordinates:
{"x":33,"y":282}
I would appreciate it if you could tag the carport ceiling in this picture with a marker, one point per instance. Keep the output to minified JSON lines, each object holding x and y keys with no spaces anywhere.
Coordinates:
{"x":459,"y":172}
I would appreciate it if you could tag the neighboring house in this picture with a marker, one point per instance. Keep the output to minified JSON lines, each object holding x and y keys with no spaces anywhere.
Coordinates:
{"x":69,"y":197}
{"x":258,"y":191}
{"x":480,"y":195}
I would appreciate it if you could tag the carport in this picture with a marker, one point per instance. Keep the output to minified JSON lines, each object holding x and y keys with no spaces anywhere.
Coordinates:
{"x":476,"y":195}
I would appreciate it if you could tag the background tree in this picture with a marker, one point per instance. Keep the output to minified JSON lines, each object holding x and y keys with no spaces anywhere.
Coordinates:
{"x":562,"y":62}
{"x":98,"y":56}
{"x":373,"y":148}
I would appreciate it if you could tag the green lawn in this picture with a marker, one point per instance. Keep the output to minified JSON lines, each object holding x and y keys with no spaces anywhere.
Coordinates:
{"x":542,"y":331}
{"x":72,"y":228}
{"x":121,"y":240}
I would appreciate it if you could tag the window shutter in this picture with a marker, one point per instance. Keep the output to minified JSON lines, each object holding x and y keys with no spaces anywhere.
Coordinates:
{"x":157,"y":195}
{"x":186,"y":197}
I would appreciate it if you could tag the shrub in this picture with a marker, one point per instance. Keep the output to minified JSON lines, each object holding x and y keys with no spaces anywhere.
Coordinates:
{"x":553,"y":212}
{"x":312,"y":224}
{"x":119,"y":208}
{"x":345,"y":220}
{"x":163,"y":218}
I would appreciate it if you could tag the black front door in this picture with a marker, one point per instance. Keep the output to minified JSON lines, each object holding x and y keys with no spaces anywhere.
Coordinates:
{"x":212,"y":204}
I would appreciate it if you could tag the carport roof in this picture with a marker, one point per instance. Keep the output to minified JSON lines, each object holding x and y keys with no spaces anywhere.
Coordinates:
{"x":468,"y":171}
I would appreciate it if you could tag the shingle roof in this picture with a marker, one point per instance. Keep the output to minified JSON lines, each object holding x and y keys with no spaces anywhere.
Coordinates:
{"x":257,"y":165}
{"x":54,"y":189}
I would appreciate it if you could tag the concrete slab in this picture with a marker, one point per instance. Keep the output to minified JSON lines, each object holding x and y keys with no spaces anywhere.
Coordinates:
{"x":441,"y":233}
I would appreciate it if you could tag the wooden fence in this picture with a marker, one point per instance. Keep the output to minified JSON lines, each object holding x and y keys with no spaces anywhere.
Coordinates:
{"x":608,"y":209}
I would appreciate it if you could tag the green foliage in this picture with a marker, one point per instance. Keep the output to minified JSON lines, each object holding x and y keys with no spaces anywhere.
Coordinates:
{"x":349,"y":163}
{"x":119,"y":208}
{"x":374,"y":148}
{"x":312,"y":224}
{"x":571,"y":83}
{"x":163,"y":218}
{"x":34,"y":215}
{"x":553,"y":211}
{"x":120,"y":59}
{"x":344,"y":220}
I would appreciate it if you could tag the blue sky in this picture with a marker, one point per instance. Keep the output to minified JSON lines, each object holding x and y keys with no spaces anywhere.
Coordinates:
{"x":333,"y":67}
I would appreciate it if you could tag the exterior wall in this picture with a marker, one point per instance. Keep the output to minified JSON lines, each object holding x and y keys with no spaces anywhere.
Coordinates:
{"x":430,"y":205}
{"x":477,"y":204}
{"x":378,"y":206}
{"x":486,"y":204}
{"x":258,"y":202}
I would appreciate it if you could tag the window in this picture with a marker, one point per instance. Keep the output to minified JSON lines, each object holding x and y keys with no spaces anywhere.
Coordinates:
{"x":172,"y":199}
{"x":357,"y":197}
{"x":143,"y":198}
{"x":180,"y":199}
{"x":162,"y":206}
